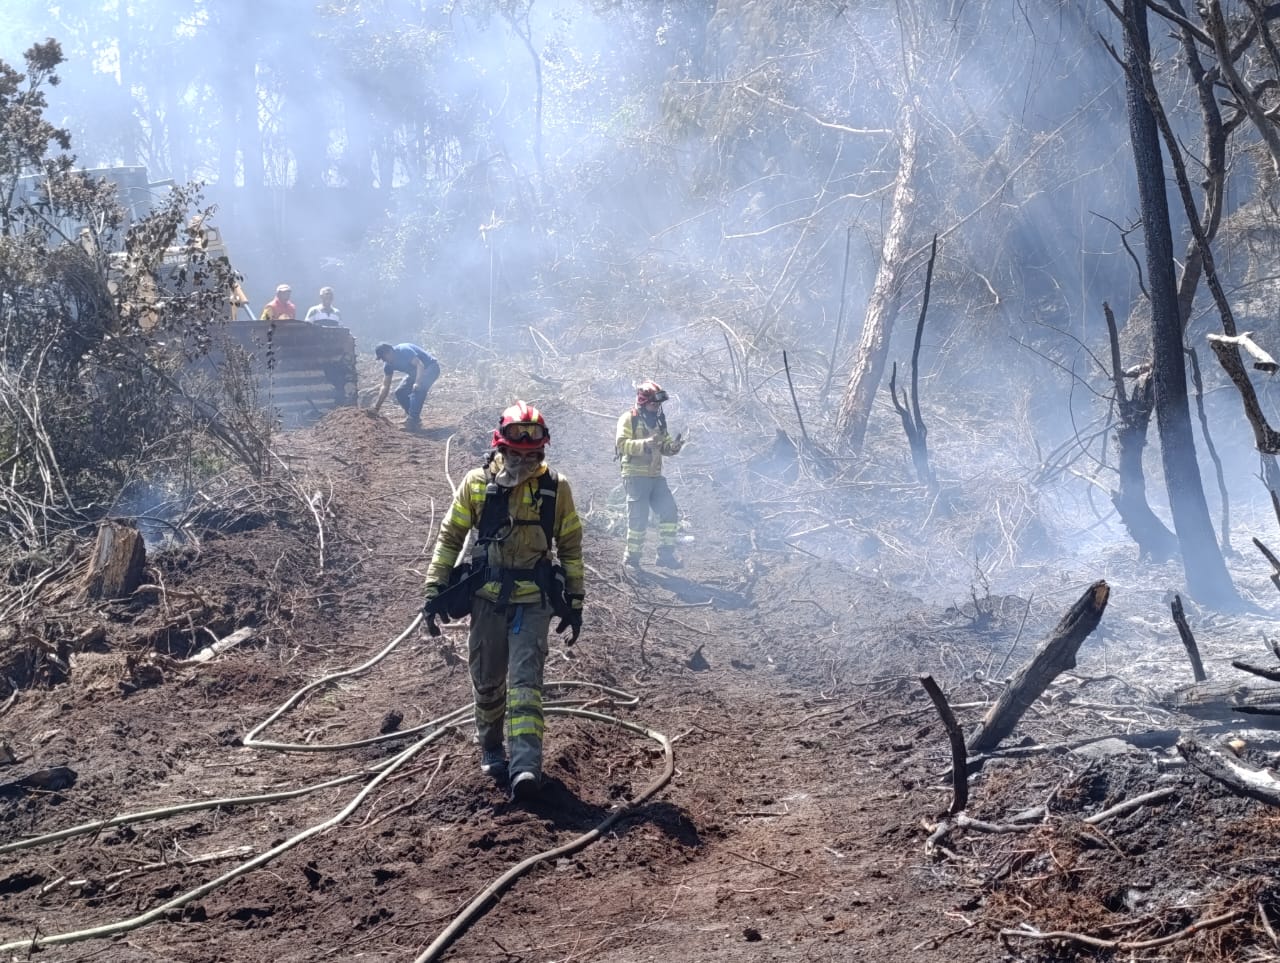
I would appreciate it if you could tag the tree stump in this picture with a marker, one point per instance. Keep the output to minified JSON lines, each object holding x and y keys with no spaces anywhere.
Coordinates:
{"x":119,"y":556}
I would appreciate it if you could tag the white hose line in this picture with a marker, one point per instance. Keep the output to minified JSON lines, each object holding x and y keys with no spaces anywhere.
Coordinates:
{"x":126,"y":818}
{"x":442,"y":722}
{"x":125,"y":926}
{"x":475,"y":908}
{"x":383,"y":769}
{"x":250,"y":738}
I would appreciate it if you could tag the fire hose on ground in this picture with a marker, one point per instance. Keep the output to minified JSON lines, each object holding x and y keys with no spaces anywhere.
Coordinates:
{"x":380,"y":772}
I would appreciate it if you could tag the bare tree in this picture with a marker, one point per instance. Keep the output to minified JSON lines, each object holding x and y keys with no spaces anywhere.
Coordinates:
{"x":1206,"y":571}
{"x":882,"y":307}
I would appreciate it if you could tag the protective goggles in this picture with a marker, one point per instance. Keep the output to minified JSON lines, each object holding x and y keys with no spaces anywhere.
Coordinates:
{"x":523,"y":431}
{"x":657,"y":397}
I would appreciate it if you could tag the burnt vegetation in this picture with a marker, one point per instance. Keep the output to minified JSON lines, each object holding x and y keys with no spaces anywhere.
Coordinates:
{"x":979,"y":541}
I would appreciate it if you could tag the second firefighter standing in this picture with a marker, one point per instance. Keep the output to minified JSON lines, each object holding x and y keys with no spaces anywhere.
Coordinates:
{"x":641,"y":442}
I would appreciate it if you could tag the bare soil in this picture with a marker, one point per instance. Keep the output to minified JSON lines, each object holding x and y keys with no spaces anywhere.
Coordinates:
{"x":811,"y":769}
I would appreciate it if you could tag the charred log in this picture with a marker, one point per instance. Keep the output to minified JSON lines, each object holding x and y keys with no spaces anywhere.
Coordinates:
{"x":1055,"y":655}
{"x":1188,"y":640}
{"x":1239,"y":777}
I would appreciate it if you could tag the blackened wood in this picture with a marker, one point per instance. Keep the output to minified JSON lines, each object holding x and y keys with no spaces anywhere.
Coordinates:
{"x":1133,"y":411}
{"x":1270,"y":557}
{"x":1188,"y":640}
{"x":959,"y":756}
{"x":1272,"y":674}
{"x":1225,"y":701}
{"x":1055,"y":655}
{"x":1242,"y":779}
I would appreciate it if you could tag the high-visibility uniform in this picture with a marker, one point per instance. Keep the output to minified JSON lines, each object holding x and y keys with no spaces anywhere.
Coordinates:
{"x":641,"y":441}
{"x":507,"y":646}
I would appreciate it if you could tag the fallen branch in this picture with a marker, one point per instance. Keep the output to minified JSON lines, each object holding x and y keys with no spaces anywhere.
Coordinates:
{"x":1024,"y":822}
{"x":116,"y":877}
{"x":1147,"y":739}
{"x":313,"y":503}
{"x":1120,"y":808}
{"x":222,"y":645}
{"x":1031,"y":933}
{"x":1242,"y":779}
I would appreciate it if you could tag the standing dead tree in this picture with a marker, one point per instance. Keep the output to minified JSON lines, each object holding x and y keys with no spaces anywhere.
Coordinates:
{"x":1202,"y":561}
{"x":912,"y":421}
{"x":1134,"y":410}
{"x":882,"y":307}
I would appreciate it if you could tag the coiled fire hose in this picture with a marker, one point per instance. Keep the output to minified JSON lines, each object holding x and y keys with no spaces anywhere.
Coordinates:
{"x":380,"y":772}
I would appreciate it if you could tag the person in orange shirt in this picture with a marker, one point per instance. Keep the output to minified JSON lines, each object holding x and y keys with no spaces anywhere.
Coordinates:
{"x":281,"y":307}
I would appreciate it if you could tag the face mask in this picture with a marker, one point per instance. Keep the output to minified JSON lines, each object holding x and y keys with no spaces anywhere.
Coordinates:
{"x":512,"y":471}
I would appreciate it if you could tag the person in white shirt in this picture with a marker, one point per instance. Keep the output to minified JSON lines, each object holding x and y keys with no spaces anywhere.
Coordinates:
{"x":324,"y":313}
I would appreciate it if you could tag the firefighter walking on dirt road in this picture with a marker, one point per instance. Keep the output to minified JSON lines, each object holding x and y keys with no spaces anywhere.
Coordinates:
{"x":641,"y":442}
{"x":512,"y":585}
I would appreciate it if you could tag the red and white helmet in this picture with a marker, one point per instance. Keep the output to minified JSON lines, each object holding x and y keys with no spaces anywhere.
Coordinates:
{"x":521,"y":428}
{"x":648,"y":391}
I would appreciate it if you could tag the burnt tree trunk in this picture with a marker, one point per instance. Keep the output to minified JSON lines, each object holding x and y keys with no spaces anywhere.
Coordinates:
{"x":119,"y":556}
{"x":1202,"y":561}
{"x":1265,"y":438}
{"x":1149,"y":533}
{"x":1055,"y":655}
{"x":882,"y":308}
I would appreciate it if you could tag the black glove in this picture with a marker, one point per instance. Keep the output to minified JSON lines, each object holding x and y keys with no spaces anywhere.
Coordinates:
{"x":433,"y":607}
{"x":573,"y":620}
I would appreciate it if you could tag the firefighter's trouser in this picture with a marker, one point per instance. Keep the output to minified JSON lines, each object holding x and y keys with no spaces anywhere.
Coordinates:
{"x":507,"y":653}
{"x":643,"y":493}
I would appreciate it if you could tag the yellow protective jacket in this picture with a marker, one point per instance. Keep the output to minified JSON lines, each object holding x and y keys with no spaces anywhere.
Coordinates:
{"x":640,"y":447}
{"x":525,"y":544}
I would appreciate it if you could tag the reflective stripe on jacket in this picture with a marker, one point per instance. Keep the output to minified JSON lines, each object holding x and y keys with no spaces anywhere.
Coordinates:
{"x":640,"y":447}
{"x":526,"y":543}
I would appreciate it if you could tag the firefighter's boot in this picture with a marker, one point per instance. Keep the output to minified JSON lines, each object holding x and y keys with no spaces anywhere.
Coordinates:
{"x":493,"y":763}
{"x":525,"y":786}
{"x":667,"y":557}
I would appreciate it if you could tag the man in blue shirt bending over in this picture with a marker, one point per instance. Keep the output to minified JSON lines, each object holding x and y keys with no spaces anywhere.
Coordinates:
{"x":421,"y":371}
